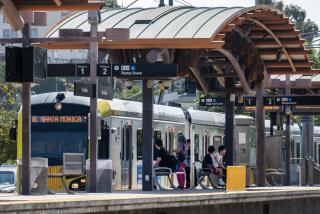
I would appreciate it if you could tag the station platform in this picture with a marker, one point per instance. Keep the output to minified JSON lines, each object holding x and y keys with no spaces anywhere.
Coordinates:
{"x":293,"y":200}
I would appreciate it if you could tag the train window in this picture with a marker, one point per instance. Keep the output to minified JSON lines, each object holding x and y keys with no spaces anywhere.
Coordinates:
{"x":103,"y":146}
{"x":139,"y":144}
{"x":318,"y":153}
{"x":217,"y":140}
{"x":298,"y":150}
{"x":206,"y":144}
{"x":171,"y":142}
{"x":126,"y":143}
{"x":196,"y":147}
{"x":293,"y":155}
{"x":157,"y":135}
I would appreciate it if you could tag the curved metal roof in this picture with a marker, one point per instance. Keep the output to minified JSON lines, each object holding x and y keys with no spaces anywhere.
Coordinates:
{"x":152,"y":23}
{"x":269,"y":41}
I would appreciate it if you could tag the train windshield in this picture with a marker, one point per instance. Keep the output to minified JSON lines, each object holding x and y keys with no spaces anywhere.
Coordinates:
{"x":6,"y":177}
{"x":52,"y":140}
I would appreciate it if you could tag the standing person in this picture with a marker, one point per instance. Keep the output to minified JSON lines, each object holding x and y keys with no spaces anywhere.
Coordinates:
{"x":183,"y":145}
{"x":210,"y":163}
{"x":188,"y":165}
{"x":183,"y":153}
{"x":181,"y":176}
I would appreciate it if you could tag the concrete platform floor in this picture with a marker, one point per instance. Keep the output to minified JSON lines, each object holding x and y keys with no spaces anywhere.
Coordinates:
{"x":253,"y":200}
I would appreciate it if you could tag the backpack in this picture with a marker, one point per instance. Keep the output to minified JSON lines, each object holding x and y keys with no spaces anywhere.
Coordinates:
{"x":206,"y":162}
{"x":169,"y":161}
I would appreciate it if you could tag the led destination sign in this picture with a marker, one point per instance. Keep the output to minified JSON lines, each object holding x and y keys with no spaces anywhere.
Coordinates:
{"x":59,"y":119}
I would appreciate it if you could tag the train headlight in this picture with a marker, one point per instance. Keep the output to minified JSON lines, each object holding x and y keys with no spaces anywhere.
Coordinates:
{"x":83,"y":180}
{"x":75,"y":186}
{"x":58,"y":106}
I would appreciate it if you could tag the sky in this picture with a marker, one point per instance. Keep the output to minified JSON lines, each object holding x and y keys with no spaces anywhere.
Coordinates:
{"x":311,"y":6}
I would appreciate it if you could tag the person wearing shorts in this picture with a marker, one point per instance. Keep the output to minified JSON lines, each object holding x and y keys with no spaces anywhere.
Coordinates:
{"x":210,"y":162}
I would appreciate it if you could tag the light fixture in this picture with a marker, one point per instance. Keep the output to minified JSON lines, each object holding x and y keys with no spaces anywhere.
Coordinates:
{"x":59,"y":98}
{"x":58,"y":106}
{"x":128,"y":84}
{"x":166,"y":84}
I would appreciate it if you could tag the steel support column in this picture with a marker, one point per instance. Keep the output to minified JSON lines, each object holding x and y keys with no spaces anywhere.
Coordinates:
{"x":260,"y":119}
{"x":307,"y":149}
{"x":26,"y":125}
{"x":310,"y":141}
{"x":229,"y":129}
{"x":93,"y":20}
{"x":147,"y":134}
{"x":287,"y":151}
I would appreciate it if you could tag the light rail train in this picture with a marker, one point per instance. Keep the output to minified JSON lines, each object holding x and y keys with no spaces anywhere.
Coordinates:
{"x":59,"y":124}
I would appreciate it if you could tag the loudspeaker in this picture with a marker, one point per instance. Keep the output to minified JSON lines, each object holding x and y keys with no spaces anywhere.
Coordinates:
{"x":34,"y":62}
{"x":13,"y":59}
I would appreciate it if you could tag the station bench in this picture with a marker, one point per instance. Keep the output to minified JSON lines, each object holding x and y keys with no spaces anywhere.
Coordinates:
{"x":164,"y":172}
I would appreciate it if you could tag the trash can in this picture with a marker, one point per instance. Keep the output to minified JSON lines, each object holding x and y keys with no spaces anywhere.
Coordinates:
{"x":104,"y":176}
{"x":39,"y":176}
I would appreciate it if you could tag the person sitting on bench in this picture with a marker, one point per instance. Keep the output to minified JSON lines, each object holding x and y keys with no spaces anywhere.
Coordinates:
{"x":208,"y":162}
{"x":218,"y":159}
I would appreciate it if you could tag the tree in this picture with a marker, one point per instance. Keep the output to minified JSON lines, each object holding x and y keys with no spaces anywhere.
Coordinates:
{"x":9,"y":95}
{"x":298,"y":16}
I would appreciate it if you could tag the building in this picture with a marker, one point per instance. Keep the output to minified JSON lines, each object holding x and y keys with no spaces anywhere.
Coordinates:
{"x":52,"y":18}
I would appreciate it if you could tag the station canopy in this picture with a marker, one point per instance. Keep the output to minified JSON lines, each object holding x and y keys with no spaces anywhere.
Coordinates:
{"x":224,"y":49}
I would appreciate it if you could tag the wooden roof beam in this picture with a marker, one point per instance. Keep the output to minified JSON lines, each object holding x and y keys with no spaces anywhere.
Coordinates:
{"x":284,"y":71}
{"x":12,"y":15}
{"x":279,"y":27}
{"x":274,"y":64}
{"x":279,"y":34}
{"x":199,"y":79}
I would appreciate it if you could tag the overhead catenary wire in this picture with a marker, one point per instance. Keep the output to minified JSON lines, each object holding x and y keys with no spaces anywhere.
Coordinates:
{"x":131,"y":3}
{"x":187,"y":3}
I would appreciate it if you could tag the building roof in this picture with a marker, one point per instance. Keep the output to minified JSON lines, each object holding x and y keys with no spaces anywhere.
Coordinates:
{"x":45,"y":5}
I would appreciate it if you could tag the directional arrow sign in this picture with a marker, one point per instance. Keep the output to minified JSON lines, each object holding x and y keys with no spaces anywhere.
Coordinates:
{"x":212,"y":101}
{"x":137,"y":71}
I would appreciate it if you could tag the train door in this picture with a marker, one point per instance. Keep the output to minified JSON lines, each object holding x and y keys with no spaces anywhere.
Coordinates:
{"x":206,"y":142}
{"x":126,"y":157}
{"x":169,"y":144}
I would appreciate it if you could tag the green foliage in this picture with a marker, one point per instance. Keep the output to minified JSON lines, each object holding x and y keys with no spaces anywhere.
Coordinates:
{"x":126,"y":93}
{"x":298,"y":16}
{"x":9,"y":95}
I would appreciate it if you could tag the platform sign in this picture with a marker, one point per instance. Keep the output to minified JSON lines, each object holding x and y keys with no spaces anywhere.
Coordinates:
{"x":84,"y":89}
{"x":137,"y":71}
{"x":212,"y":101}
{"x":249,"y":101}
{"x":292,"y":100}
{"x":69,"y":70}
{"x":82,"y":70}
{"x":106,"y":93}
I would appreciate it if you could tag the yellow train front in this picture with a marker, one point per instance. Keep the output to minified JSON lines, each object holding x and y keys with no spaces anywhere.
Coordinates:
{"x":59,"y":124}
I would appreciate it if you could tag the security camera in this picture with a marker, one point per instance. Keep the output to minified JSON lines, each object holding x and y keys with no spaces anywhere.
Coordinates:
{"x":113,"y":130}
{"x":128,"y":84}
